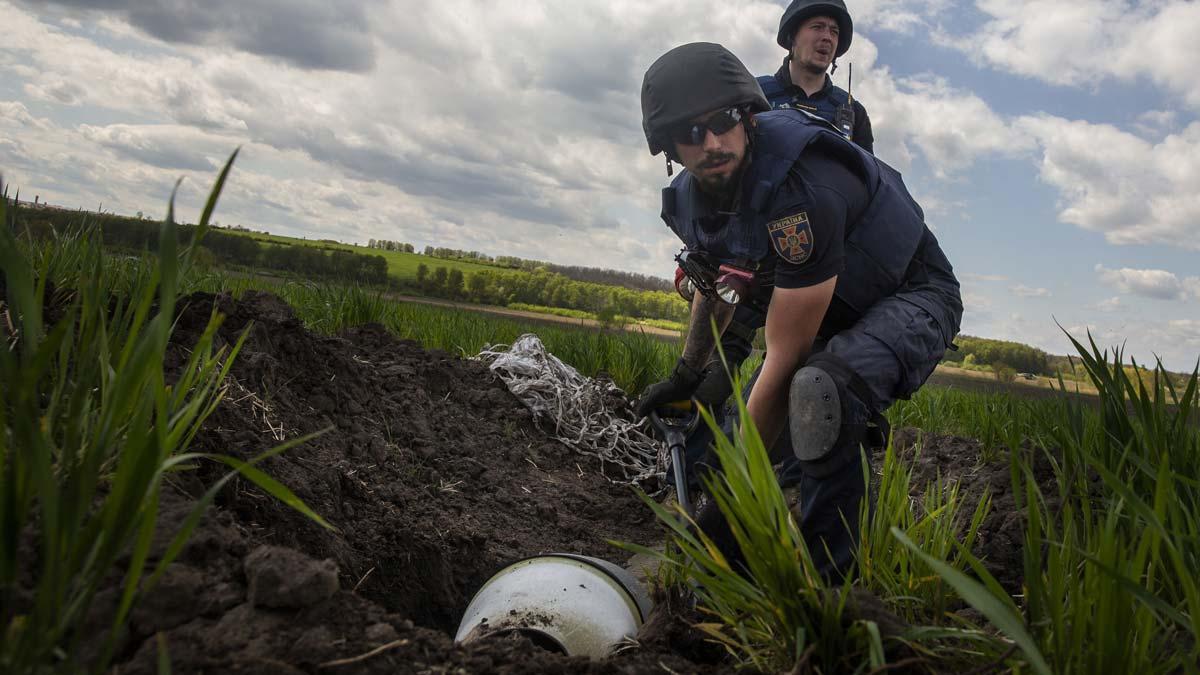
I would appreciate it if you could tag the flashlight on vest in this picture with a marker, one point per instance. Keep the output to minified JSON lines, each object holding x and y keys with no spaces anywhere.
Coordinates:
{"x":734,"y":284}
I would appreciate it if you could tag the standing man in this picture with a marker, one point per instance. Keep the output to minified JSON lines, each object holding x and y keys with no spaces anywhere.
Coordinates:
{"x":860,"y":302}
{"x":815,"y":33}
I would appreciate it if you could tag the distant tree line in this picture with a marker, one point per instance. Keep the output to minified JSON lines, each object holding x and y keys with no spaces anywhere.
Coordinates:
{"x":388,"y":245}
{"x":596,"y":275}
{"x":223,"y":247}
{"x":999,"y":353}
{"x":550,"y":289}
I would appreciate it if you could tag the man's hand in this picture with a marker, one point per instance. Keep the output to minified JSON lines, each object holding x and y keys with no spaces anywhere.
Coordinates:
{"x":679,"y":386}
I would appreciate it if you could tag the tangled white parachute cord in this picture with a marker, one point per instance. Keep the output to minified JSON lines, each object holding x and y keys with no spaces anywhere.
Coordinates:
{"x":581,"y":411}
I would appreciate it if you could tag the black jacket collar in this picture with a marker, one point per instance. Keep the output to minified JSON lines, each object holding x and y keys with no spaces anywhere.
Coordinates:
{"x":784,"y":76}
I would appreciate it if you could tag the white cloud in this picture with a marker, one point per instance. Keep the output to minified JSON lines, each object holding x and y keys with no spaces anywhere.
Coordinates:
{"x":1113,"y":182}
{"x":1157,"y":284}
{"x":1155,"y":123}
{"x":1023,"y":291}
{"x":168,"y":146}
{"x":951,"y":127}
{"x":1112,"y":304}
{"x":14,"y":114}
{"x":506,"y":127}
{"x":487,"y":123}
{"x":900,"y":16}
{"x":1086,"y":42}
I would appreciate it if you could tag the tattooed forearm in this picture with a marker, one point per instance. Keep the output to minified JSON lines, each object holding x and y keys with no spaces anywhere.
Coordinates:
{"x":701,"y":341}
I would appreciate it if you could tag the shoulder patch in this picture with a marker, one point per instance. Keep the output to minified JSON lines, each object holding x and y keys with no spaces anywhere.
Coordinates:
{"x":792,"y":237}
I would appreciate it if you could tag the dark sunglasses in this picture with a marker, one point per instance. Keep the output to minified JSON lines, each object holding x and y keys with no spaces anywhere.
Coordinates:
{"x":718,"y":123}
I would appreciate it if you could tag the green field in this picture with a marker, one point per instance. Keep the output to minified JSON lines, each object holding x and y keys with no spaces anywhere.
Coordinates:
{"x":1103,"y":504}
{"x":403,"y":266}
{"x":1110,"y":541}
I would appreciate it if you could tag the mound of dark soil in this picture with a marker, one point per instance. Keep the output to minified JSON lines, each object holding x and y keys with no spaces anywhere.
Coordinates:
{"x":434,"y":477}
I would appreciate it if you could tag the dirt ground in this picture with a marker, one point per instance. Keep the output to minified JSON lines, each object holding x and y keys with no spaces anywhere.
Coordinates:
{"x":435,"y":477}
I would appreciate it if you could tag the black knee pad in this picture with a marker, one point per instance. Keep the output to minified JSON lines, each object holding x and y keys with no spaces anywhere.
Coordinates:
{"x":814,"y":413}
{"x":824,"y":437}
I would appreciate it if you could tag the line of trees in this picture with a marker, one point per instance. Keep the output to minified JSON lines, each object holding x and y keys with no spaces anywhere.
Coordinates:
{"x":550,"y":289}
{"x":596,"y":275}
{"x":220,"y":246}
{"x":388,"y":245}
{"x":999,"y":354}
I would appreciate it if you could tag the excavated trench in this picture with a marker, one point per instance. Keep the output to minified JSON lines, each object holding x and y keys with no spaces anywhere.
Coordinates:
{"x":434,"y":475}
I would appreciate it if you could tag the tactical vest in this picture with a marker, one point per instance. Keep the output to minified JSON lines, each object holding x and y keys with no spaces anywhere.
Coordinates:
{"x":879,"y":247}
{"x":824,"y":107}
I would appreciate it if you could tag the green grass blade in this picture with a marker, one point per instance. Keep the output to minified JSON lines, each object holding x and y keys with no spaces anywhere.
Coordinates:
{"x":999,"y":613}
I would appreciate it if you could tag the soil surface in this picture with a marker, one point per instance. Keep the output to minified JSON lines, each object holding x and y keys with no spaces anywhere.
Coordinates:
{"x":435,"y":477}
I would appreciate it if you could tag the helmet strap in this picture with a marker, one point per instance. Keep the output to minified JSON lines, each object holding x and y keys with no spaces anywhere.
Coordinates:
{"x":670,"y":169}
{"x":833,"y":69}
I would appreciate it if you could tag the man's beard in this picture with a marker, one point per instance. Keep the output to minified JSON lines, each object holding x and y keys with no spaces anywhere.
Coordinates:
{"x":721,"y":186}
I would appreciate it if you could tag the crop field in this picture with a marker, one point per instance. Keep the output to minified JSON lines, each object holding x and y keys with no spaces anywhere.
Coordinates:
{"x":399,"y":264}
{"x":210,"y":473}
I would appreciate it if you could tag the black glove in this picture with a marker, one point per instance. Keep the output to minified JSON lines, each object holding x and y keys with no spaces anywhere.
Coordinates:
{"x":716,"y":387}
{"x":679,"y":386}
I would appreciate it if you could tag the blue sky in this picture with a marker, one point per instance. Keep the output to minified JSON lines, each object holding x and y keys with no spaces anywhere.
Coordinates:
{"x":1054,"y":145}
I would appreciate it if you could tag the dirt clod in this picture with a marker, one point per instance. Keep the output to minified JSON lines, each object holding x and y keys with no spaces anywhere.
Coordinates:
{"x":282,"y":577}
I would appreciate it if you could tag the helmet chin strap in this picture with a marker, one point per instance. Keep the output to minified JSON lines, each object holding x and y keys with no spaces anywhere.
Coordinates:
{"x":833,"y":69}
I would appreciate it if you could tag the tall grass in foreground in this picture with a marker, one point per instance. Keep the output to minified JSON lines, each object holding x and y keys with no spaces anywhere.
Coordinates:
{"x":90,"y":430}
{"x":1110,"y":506}
{"x":1115,"y":584}
{"x":939,"y":524}
{"x":1112,"y":546}
{"x":778,"y":614}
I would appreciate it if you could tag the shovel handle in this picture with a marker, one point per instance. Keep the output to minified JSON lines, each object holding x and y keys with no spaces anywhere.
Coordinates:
{"x":675,"y":425}
{"x":681,"y":486}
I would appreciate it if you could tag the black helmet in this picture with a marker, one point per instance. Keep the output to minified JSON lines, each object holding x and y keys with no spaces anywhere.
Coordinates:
{"x":691,"y":80}
{"x":800,"y":10}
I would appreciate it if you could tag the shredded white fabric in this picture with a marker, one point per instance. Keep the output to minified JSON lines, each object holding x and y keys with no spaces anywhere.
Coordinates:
{"x":578,"y":408}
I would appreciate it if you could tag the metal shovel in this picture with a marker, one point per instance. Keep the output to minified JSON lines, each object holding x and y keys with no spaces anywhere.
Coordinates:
{"x":675,"y":423}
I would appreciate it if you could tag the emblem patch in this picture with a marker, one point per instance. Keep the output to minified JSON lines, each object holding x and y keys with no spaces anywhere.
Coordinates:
{"x":792,"y":237}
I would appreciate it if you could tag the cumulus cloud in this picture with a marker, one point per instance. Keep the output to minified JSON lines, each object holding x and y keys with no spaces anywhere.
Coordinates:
{"x":14,"y":114}
{"x":1086,"y":42}
{"x":899,"y":16}
{"x":1157,"y":284}
{"x":305,"y":33}
{"x":1155,"y":123}
{"x":914,"y":113}
{"x":487,"y":122}
{"x":1110,"y":181}
{"x":506,"y":127}
{"x":164,"y":146}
